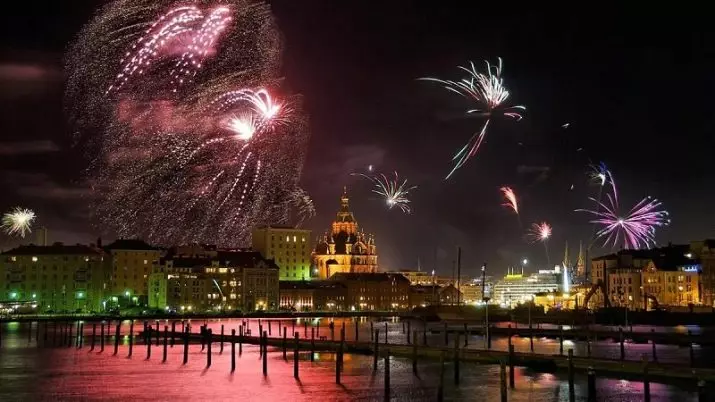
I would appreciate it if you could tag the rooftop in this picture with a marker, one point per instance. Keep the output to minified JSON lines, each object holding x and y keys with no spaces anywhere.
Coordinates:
{"x":130,"y":244}
{"x":55,"y":249}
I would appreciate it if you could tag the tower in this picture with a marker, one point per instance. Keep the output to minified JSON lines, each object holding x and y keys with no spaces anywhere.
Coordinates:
{"x":580,"y":263}
{"x":566,"y":264}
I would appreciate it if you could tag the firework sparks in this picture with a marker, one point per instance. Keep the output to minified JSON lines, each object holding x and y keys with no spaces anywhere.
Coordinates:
{"x":636,"y":229}
{"x":487,"y":90}
{"x":392,"y":190}
{"x":187,"y":139}
{"x":539,"y":232}
{"x":510,"y":197}
{"x":18,"y":221}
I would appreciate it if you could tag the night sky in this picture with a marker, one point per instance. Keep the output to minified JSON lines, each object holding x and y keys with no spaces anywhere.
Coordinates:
{"x":635,"y":87}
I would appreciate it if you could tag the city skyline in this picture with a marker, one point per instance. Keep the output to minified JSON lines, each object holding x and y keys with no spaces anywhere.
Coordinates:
{"x":390,"y":120}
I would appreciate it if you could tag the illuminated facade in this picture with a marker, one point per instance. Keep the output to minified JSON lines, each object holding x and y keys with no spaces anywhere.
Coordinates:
{"x":345,"y":249}
{"x":374,"y":291}
{"x":517,"y":288}
{"x":55,"y":278}
{"x":289,"y":247}
{"x":132,"y":261}
{"x":313,"y":296}
{"x":220,"y":280}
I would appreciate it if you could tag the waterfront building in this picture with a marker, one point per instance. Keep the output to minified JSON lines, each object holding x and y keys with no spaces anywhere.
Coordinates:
{"x":423,"y":295}
{"x":132,"y":261}
{"x":471,"y":292}
{"x":344,"y":248}
{"x":220,"y":280}
{"x":374,"y":291}
{"x":314,"y":295}
{"x":449,"y":295}
{"x":289,"y":247}
{"x":645,"y":279}
{"x":705,"y":251}
{"x":518,"y":288}
{"x":56,"y":278}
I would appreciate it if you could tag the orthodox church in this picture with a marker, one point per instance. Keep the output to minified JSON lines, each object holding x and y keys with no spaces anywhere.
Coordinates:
{"x":344,"y":248}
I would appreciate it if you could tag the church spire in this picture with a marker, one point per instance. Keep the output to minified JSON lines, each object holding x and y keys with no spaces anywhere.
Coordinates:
{"x":580,"y":264}
{"x":566,"y":264}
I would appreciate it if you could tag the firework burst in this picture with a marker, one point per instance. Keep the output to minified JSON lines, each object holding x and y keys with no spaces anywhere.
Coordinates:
{"x":488,"y":92}
{"x":392,"y":190}
{"x":510,"y":197}
{"x":541,"y":232}
{"x":193,"y":144}
{"x":636,"y":229}
{"x":18,"y":221}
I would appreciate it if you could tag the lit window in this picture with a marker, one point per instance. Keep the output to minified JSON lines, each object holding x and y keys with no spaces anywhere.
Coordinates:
{"x":287,"y":239}
{"x":146,"y":262}
{"x":295,"y":239}
{"x":34,"y":259}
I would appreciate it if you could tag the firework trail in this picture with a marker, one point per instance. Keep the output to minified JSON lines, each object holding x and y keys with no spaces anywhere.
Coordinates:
{"x":181,"y":113}
{"x":541,"y":232}
{"x":488,"y":92}
{"x":601,"y":176}
{"x":18,"y":221}
{"x":394,"y":192}
{"x":636,"y":228}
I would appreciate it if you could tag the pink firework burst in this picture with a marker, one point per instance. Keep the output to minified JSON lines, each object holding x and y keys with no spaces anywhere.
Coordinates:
{"x":539,"y":232}
{"x":636,"y":229}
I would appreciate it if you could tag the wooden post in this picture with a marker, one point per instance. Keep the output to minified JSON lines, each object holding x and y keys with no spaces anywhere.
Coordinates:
{"x":293,"y":323}
{"x":94,"y":335}
{"x":646,"y":381}
{"x":166,"y":343}
{"x":561,"y":340}
{"x":116,"y":338}
{"x":317,"y":329}
{"x":620,"y":339}
{"x":233,"y":350}
{"x":446,"y":335}
{"x":386,"y":332}
{"x":591,"y":385}
{"x":414,"y":354}
{"x":387,"y":375}
{"x":440,"y":388}
{"x":511,"y":366}
{"x":265,"y":354}
{"x":186,"y":345}
{"x":702,"y":395}
{"x":403,"y":326}
{"x":148,"y":348}
{"x":375,"y":351}
{"x":131,"y":337}
{"x":312,"y":344}
{"x":466,"y":335}
{"x":305,"y":328}
{"x":240,"y":340}
{"x":456,"y":359}
{"x":284,"y":344}
{"x":372,"y":331}
{"x":158,"y":333}
{"x":295,"y":357}
{"x":690,"y":348}
{"x":101,"y":336}
{"x":588,"y":345}
{"x":502,"y":380}
{"x":409,"y":331}
{"x":339,"y":362}
{"x":69,"y":336}
{"x":572,"y":394}
{"x":357,"y":337}
{"x":269,"y":328}
{"x":80,"y":335}
{"x":145,"y":332}
{"x":220,"y":348}
{"x":209,"y":340}
{"x":652,"y":343}
{"x":173,"y":332}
